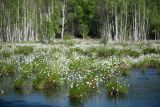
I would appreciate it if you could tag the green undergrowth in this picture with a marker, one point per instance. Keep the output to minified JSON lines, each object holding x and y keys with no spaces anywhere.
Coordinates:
{"x":80,"y":91}
{"x":115,"y":87}
{"x":147,"y":63}
{"x":18,"y":84}
{"x":107,"y":52}
{"x":25,"y":50}
{"x":7,"y":68}
{"x":5,"y":54}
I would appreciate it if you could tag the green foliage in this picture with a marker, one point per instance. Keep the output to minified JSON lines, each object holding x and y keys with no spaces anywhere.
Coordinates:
{"x":5,"y":54}
{"x":25,"y":50}
{"x":7,"y":68}
{"x":71,"y":51}
{"x":46,"y":76}
{"x":82,"y":17}
{"x":38,"y":83}
{"x":79,"y":91}
{"x":90,"y":51}
{"x":154,"y":15}
{"x":81,"y":65}
{"x":67,"y":37}
{"x":107,"y":52}
{"x":148,"y":62}
{"x":26,"y":70}
{"x":115,"y":88}
{"x":125,"y":72}
{"x":78,"y":50}
{"x":124,"y":68}
{"x":44,"y":81}
{"x":149,"y":50}
{"x":104,"y":52}
{"x":88,"y":67}
{"x":128,"y":52}
{"x":67,"y":42}
{"x":18,"y":84}
{"x":84,"y":31}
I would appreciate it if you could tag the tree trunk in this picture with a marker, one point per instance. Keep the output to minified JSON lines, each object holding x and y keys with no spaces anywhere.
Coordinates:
{"x":116,"y":25}
{"x":135,"y":25}
{"x":63,"y":17}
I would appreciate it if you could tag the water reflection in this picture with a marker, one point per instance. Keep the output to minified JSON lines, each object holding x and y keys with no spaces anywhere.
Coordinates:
{"x":144,"y":91}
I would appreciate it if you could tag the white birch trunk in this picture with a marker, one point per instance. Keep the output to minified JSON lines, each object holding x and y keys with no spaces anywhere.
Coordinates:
{"x":63,"y":17}
{"x":116,"y":27}
{"x":135,"y":26}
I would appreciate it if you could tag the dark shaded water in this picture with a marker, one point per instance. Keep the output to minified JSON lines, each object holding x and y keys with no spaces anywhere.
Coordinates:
{"x":144,"y":91}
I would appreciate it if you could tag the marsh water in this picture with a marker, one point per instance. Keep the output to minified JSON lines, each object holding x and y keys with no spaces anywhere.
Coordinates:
{"x":144,"y":91}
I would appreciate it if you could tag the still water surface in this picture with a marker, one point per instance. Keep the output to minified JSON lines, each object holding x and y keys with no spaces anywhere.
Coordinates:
{"x":144,"y":91}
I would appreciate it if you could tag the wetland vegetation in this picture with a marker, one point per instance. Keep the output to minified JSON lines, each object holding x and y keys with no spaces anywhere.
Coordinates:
{"x":83,"y":68}
{"x":79,"y":49}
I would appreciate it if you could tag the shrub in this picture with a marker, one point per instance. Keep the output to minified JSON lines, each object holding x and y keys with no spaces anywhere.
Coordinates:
{"x":25,"y":50}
